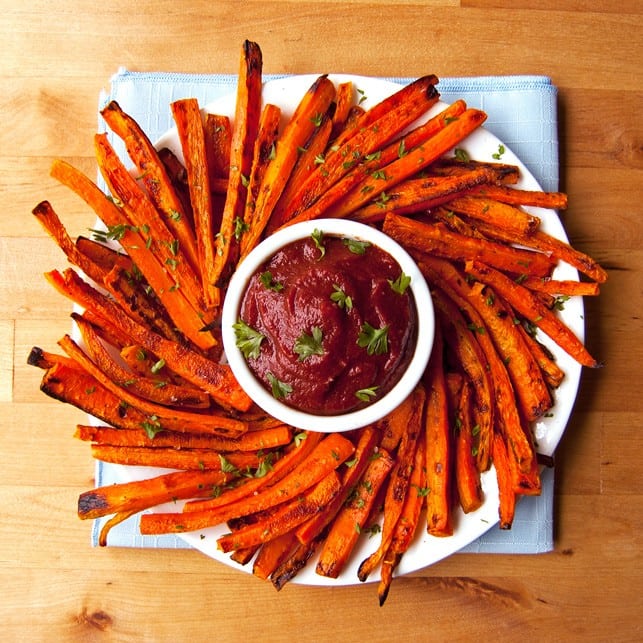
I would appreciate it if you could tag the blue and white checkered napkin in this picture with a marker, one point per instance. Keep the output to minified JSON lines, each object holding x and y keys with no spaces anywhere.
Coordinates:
{"x":521,"y":111}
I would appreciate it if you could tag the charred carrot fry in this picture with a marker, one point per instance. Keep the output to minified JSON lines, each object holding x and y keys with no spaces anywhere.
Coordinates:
{"x":565,"y":288}
{"x":293,"y":564}
{"x":116,"y":519}
{"x":218,"y":136}
{"x":377,"y":127}
{"x":165,"y":418}
{"x":103,"y":256}
{"x":50,"y":221}
{"x":244,"y":133}
{"x":167,"y":394}
{"x":273,"y":553}
{"x":505,"y":173}
{"x":191,"y":133}
{"x":326,"y":457}
{"x":351,"y":519}
{"x":343,"y":104}
{"x":179,"y":178}
{"x":398,"y":484}
{"x":394,"y":425}
{"x":215,"y":378}
{"x":154,"y":176}
{"x":171,"y":458}
{"x":515,"y":196}
{"x":437,"y":239}
{"x":270,"y":438}
{"x":143,"y":494}
{"x":284,"y":518}
{"x":413,"y":195}
{"x":297,"y":131}
{"x":552,"y":373}
{"x":407,"y":523}
{"x":531,"y":307}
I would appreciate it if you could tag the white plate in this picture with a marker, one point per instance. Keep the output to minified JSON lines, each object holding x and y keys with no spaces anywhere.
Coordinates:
{"x":425,"y":549}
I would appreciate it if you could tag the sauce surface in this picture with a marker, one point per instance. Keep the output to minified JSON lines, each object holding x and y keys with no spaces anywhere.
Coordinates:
{"x":336,"y":329}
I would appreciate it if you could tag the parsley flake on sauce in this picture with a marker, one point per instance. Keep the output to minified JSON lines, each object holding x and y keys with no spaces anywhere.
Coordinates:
{"x":374,"y":340}
{"x":308,"y":345}
{"x":248,"y":339}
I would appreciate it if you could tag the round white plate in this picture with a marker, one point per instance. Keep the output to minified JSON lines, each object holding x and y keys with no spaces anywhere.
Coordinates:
{"x":425,"y":549}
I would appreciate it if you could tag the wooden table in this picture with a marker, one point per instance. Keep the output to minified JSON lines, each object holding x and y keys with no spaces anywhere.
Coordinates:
{"x":55,"y":59}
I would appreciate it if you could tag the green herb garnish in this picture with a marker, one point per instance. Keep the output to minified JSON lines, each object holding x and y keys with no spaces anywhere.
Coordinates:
{"x":248,"y":339}
{"x":307,"y":345}
{"x":374,"y":340}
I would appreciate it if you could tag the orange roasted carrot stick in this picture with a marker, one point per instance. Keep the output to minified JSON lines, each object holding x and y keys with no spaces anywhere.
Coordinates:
{"x":507,"y":502}
{"x":284,"y":518}
{"x":273,"y":553}
{"x":332,"y":451}
{"x":515,"y":196}
{"x":244,"y":133}
{"x":297,"y":131}
{"x":215,"y":378}
{"x":191,"y":133}
{"x":531,"y":307}
{"x":154,"y":176}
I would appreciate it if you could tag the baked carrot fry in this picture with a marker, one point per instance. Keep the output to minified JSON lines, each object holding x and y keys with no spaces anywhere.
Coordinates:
{"x":215,"y":378}
{"x":343,"y":104}
{"x":116,"y":519}
{"x":326,"y":457}
{"x":244,"y":133}
{"x":143,"y":494}
{"x":437,"y":239}
{"x":507,"y":500}
{"x":252,"y":486}
{"x":394,"y":425}
{"x":515,"y":196}
{"x":218,"y":136}
{"x":473,"y":360}
{"x":165,"y":418}
{"x":191,"y":133}
{"x":364,"y":450}
{"x":309,"y":158}
{"x":568,"y":288}
{"x":244,"y":556}
{"x":270,"y":438}
{"x":273,"y":553}
{"x":171,"y":458}
{"x":264,"y":153}
{"x":413,"y":195}
{"x":50,"y":221}
{"x":351,"y":519}
{"x":377,"y":127}
{"x":552,"y":373}
{"x":496,"y":213}
{"x":103,"y":256}
{"x":409,"y":162}
{"x":531,"y":307}
{"x":439,"y":450}
{"x":153,"y":176}
{"x":293,"y":564}
{"x":179,"y":178}
{"x":506,"y":174}
{"x":76,"y":387}
{"x":467,"y":475}
{"x":297,"y":131}
{"x":167,"y":394}
{"x":45,"y":360}
{"x":530,"y":387}
{"x":284,"y":518}
{"x":407,"y":522}
{"x":398,"y":484}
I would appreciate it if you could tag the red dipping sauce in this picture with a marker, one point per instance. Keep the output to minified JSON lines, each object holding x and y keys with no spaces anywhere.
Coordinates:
{"x":333,"y":322}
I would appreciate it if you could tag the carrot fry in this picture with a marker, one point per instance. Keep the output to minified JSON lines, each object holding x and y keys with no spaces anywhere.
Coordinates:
{"x":565,"y":288}
{"x":398,"y":485}
{"x":351,"y":519}
{"x":153,"y":175}
{"x":505,"y":173}
{"x":467,"y":475}
{"x":244,"y":133}
{"x":285,"y":518}
{"x":252,"y":486}
{"x":273,"y":553}
{"x":218,"y":136}
{"x":171,"y":458}
{"x":552,"y":373}
{"x":290,"y":567}
{"x":436,"y":239}
{"x":50,"y":221}
{"x":529,"y":306}
{"x":375,"y":128}
{"x":298,"y":130}
{"x":191,"y":133}
{"x":393,"y":426}
{"x":143,"y":494}
{"x":413,"y":195}
{"x":343,"y":104}
{"x":507,"y":503}
{"x":270,"y":438}
{"x":514,"y":196}
{"x":164,"y":417}
{"x":167,"y":394}
{"x":496,"y":213}
{"x":407,"y":522}
{"x":326,"y":457}
{"x":103,"y":256}
{"x":179,"y":178}
{"x":116,"y":519}
{"x":216,"y":379}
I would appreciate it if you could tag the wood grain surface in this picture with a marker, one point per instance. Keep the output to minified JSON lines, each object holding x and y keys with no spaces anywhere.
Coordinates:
{"x":55,"y":58}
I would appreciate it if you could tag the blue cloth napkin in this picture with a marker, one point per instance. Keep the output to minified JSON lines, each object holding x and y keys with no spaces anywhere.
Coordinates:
{"x":521,"y":111}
